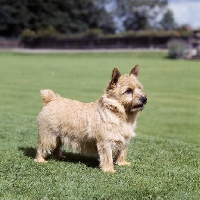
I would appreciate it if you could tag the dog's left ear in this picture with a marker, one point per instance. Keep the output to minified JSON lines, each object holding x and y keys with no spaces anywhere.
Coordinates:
{"x":114,"y":78}
{"x":135,"y":70}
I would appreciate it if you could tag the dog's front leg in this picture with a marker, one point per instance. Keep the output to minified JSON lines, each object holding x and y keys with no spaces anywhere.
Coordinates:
{"x":105,"y":156}
{"x":120,"y":159}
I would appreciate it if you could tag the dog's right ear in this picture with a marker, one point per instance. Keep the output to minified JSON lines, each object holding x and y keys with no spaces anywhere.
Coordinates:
{"x":114,"y":78}
{"x":135,"y":70}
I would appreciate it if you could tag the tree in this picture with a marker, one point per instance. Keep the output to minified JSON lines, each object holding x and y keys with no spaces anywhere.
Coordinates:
{"x":139,"y":14}
{"x":81,"y":15}
{"x":138,"y":21}
{"x":65,"y":16}
{"x":168,"y":23}
{"x":106,"y":21}
{"x":14,"y":16}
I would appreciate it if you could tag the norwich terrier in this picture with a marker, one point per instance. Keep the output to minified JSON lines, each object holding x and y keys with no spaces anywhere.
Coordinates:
{"x":102,"y":128}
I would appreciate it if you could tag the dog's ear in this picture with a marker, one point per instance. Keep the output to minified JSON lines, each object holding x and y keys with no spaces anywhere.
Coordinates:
{"x":114,"y":78}
{"x":135,"y":70}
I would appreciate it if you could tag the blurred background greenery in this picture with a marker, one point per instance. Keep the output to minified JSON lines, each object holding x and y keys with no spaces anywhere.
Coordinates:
{"x":85,"y":17}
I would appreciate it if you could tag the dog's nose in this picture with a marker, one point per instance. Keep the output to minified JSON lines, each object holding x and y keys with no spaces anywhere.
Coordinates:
{"x":143,"y":99}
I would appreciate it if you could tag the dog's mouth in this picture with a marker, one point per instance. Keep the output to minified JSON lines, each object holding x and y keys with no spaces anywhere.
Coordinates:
{"x":138,"y":107}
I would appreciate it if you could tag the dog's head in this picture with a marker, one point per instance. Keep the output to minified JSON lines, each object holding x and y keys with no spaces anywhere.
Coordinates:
{"x":127,"y":90}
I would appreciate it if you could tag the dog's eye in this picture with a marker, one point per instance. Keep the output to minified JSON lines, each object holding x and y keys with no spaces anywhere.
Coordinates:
{"x":129,"y":91}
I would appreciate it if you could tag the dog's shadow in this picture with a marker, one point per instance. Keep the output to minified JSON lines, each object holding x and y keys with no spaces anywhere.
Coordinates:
{"x":70,"y":157}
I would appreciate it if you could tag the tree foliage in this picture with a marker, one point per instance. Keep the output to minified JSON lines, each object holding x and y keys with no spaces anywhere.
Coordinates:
{"x":71,"y":17}
{"x":167,"y":22}
{"x":139,"y":14}
{"x":13,"y":16}
{"x":66,"y":16}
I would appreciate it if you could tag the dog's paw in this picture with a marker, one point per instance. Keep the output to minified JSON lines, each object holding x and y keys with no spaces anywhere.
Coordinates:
{"x":40,"y":160}
{"x":124,"y":163}
{"x":109,"y":170}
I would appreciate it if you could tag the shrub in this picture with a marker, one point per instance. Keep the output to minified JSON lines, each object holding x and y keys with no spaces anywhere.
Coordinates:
{"x":48,"y":32}
{"x":177,"y":48}
{"x":93,"y":33}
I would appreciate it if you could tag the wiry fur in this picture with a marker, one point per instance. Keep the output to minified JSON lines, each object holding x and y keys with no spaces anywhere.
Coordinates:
{"x":102,"y":128}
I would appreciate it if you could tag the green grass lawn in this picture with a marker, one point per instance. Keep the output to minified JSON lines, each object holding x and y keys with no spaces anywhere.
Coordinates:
{"x":165,"y":155}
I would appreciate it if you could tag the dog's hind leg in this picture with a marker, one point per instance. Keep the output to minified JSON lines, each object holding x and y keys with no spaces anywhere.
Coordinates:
{"x":40,"y":157}
{"x":57,"y":152}
{"x":41,"y":154}
{"x":47,"y":142}
{"x":105,"y":156}
{"x":120,"y":159}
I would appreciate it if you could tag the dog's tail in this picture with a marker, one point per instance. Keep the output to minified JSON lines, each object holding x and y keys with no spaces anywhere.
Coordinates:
{"x":47,"y":96}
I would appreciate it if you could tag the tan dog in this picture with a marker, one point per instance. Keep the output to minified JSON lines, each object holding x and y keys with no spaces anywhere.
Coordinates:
{"x":103,"y":128}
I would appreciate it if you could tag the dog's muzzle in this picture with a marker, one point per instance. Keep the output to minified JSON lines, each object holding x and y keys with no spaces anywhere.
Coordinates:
{"x":140,"y":105}
{"x":143,"y":100}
